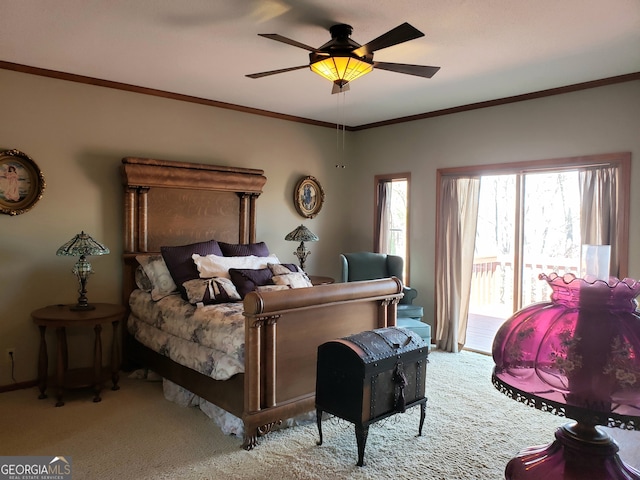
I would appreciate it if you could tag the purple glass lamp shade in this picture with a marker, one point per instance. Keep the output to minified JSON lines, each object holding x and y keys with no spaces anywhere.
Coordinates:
{"x":577,"y":356}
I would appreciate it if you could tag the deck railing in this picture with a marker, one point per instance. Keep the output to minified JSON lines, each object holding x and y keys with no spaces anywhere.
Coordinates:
{"x":492,"y":282}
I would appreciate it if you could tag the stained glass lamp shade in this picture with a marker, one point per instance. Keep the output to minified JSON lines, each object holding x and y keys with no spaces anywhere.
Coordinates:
{"x":81,"y":246}
{"x":576,"y":356}
{"x":341,"y":69}
{"x":302,"y":234}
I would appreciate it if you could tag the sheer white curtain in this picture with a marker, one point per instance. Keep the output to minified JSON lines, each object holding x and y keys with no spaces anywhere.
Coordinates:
{"x":458,"y":215}
{"x":383,"y":211}
{"x":599,"y":210}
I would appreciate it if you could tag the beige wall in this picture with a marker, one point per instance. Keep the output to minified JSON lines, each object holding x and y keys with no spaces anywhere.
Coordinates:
{"x":78,"y":133}
{"x":601,"y":120}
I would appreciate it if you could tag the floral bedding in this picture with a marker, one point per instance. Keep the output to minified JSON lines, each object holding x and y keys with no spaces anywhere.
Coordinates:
{"x":208,"y":339}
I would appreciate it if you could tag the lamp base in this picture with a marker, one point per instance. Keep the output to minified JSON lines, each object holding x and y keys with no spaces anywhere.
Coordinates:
{"x":302,"y":253}
{"x":579,"y":452}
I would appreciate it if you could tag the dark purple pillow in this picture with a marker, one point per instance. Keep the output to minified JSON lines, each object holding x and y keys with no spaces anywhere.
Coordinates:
{"x":180,"y":264}
{"x":246,"y":280}
{"x":259,"y":249}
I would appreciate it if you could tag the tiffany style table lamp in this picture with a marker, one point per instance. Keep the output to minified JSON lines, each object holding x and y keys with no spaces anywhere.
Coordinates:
{"x":82,"y":245}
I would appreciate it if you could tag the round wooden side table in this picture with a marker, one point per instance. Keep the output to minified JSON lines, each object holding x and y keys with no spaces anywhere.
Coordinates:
{"x":60,"y":317}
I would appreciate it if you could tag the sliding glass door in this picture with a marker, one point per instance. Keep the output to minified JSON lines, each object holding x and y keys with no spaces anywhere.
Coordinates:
{"x":532,"y":218}
{"x":551,"y":238}
{"x":528,"y":223}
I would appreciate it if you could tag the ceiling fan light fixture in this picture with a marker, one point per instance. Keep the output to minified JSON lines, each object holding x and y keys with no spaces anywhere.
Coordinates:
{"x":341,"y":60}
{"x":341,"y":69}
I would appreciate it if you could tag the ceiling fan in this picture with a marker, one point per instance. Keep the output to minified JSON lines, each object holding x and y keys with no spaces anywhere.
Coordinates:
{"x":342,"y":60}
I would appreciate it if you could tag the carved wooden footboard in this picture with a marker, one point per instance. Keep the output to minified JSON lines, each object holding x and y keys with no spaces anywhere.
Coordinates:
{"x":283,"y":332}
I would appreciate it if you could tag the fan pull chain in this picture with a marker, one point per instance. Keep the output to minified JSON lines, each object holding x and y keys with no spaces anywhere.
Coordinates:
{"x":340,"y":129}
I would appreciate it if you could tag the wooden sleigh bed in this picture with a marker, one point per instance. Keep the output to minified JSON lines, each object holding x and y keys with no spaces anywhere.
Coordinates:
{"x":173,"y":203}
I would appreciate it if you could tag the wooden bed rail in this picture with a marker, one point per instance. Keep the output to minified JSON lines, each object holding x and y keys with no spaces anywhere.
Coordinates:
{"x":257,"y":303}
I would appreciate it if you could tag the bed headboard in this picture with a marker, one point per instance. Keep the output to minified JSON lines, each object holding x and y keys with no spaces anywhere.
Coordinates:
{"x":175,"y":203}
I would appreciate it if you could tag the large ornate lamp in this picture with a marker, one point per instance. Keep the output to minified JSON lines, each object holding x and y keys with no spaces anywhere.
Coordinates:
{"x":577,"y":356}
{"x":82,"y":245}
{"x":302,"y":234}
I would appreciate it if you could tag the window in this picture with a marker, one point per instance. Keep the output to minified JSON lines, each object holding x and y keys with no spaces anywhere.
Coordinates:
{"x":391,"y":234}
{"x":499,"y":226}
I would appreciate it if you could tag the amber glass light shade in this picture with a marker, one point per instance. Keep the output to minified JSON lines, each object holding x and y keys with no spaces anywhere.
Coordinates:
{"x":341,"y":69}
{"x":576,"y":356}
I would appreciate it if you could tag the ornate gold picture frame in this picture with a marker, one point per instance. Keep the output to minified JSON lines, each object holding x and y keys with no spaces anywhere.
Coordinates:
{"x":308,"y":197}
{"x":21,"y":182}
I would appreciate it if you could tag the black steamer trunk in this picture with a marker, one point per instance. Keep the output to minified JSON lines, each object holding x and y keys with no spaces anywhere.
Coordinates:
{"x":369,"y":376}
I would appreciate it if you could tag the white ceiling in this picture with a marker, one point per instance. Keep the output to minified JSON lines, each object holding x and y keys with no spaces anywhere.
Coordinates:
{"x":487,"y":49}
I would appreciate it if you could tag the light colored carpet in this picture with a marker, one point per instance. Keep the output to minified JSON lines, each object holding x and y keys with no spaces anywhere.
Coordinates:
{"x":471,"y":431}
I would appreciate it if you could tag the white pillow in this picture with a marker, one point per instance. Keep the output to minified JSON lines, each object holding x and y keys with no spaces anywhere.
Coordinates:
{"x":279,"y":269}
{"x":210,"y":266}
{"x":209,"y":291}
{"x":293,"y":280}
{"x":162,"y":283}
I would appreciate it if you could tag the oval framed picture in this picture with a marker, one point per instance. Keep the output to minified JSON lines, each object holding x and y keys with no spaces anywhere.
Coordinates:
{"x":21,"y":182}
{"x":308,"y":197}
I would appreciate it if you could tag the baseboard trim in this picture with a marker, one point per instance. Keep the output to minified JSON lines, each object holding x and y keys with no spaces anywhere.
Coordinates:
{"x":18,"y":386}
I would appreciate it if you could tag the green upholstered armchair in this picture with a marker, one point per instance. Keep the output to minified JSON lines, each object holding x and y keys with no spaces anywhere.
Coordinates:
{"x":370,"y":266}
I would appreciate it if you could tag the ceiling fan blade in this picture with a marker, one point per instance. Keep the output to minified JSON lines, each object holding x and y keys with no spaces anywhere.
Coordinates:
{"x":273,"y":72}
{"x":288,"y":41}
{"x":400,"y":34}
{"x":417,"y":70}
{"x":308,"y":12}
